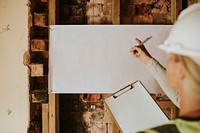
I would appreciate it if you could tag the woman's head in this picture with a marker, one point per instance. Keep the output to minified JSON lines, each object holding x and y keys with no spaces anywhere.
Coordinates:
{"x":183,"y":44}
{"x":184,"y":37}
{"x":183,"y":73}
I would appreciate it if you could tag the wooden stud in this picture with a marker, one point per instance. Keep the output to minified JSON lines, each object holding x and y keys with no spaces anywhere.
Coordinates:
{"x":54,"y":113}
{"x":115,"y":126}
{"x":116,"y":11}
{"x":53,"y":98}
{"x":166,"y":104}
{"x":52,"y":12}
{"x":45,"y":118}
{"x":173,"y":11}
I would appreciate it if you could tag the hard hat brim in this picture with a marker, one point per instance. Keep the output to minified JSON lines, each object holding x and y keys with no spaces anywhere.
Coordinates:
{"x":179,"y":50}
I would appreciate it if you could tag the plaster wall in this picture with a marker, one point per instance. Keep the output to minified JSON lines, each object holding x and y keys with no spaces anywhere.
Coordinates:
{"x":14,"y":98}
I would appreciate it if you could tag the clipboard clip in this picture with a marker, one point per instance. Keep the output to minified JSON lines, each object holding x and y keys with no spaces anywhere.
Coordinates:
{"x":124,"y":90}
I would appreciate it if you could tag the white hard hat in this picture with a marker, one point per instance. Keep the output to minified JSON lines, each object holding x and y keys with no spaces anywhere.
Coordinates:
{"x":184,"y":38}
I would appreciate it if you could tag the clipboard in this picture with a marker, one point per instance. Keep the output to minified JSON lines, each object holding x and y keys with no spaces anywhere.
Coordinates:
{"x":134,"y":109}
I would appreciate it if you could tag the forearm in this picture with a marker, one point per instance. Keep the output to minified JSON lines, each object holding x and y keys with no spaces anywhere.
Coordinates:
{"x":159,"y":73}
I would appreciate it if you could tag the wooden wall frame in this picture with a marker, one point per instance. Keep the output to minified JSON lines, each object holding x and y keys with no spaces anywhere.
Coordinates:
{"x":45,"y":118}
{"x":116,"y":11}
{"x":173,"y":11}
{"x":50,"y":111}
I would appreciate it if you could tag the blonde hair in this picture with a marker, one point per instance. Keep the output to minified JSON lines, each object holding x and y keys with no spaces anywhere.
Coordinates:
{"x":192,"y":76}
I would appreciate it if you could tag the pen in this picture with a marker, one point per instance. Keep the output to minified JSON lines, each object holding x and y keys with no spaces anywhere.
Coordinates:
{"x":143,"y":42}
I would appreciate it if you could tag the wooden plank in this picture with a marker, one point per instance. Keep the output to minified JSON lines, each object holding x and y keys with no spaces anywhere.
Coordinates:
{"x":45,"y":118}
{"x":115,"y":126}
{"x":54,"y":113}
{"x":116,"y":11}
{"x":173,"y":11}
{"x":52,"y":12}
{"x":167,"y":104}
{"x":53,"y":98}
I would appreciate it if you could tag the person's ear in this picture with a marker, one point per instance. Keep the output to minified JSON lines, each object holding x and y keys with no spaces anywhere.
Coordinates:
{"x":181,"y":71}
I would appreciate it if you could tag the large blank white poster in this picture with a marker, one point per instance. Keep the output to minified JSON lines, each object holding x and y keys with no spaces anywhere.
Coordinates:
{"x":97,"y":59}
{"x":135,"y":110}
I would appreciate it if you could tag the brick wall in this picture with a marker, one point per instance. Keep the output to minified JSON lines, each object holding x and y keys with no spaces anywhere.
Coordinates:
{"x":145,"y":11}
{"x":71,"y":112}
{"x":192,"y":1}
{"x":85,"y":12}
{"x":38,"y":62}
{"x":74,"y":108}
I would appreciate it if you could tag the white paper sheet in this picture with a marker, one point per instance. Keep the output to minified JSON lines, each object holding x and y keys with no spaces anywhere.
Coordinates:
{"x":97,"y":59}
{"x":136,"y":110}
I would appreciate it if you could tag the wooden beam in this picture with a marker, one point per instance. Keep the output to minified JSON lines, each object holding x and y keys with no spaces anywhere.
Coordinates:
{"x":53,"y":98}
{"x":173,"y":11}
{"x":115,"y":126}
{"x":45,"y":118}
{"x":52,"y":12}
{"x":116,"y":11}
{"x":165,"y":105}
{"x":54,"y":113}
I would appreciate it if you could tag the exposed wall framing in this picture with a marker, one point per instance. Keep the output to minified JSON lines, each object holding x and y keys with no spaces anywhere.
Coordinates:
{"x":89,"y":108}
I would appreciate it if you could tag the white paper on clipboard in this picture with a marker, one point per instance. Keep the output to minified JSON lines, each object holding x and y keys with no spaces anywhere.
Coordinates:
{"x":135,"y":110}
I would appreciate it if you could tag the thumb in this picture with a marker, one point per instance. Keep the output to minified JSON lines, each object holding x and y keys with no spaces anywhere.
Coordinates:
{"x":138,"y":40}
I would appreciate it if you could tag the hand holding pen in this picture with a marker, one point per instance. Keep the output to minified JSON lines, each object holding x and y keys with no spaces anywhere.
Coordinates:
{"x":140,"y":52}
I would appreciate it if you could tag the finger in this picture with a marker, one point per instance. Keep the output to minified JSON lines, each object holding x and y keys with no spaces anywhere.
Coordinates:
{"x":137,"y":55}
{"x":133,"y":50}
{"x":136,"y":49}
{"x":138,"y":40}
